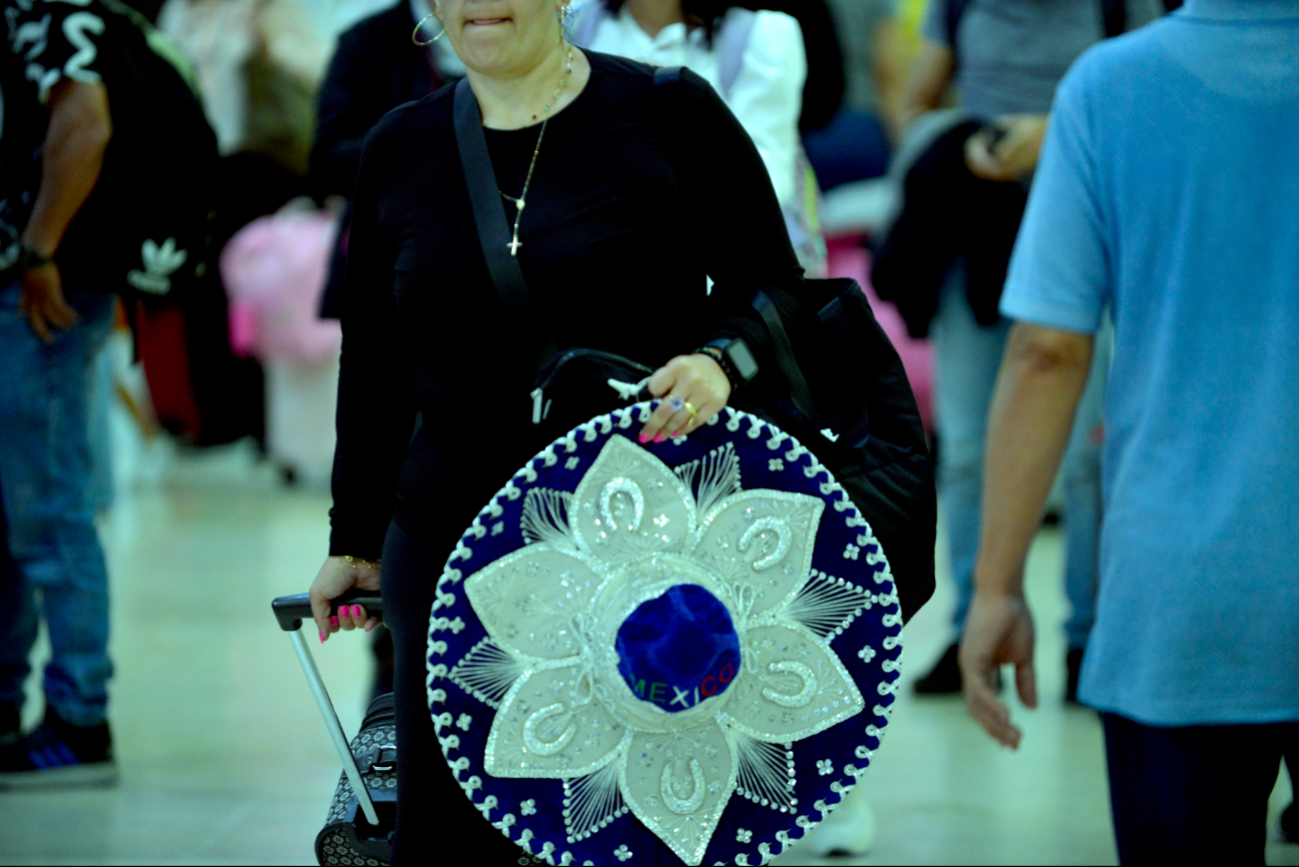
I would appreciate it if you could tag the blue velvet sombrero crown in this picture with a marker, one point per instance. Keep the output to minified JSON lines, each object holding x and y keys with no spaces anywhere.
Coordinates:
{"x":683,"y":652}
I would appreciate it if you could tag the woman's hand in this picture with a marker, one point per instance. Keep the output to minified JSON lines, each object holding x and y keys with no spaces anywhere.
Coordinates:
{"x":336,"y":577}
{"x":686,"y":383}
{"x":43,"y":303}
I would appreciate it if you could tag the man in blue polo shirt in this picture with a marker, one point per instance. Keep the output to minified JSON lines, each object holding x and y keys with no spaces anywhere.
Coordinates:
{"x":1168,"y":188}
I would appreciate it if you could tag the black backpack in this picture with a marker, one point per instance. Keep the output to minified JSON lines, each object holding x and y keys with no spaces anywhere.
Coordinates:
{"x":145,"y":230}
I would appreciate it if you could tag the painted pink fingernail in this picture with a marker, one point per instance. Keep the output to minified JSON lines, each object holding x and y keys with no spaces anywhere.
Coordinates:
{"x":356,"y":610}
{"x":643,"y":438}
{"x":333,"y":621}
{"x":322,"y":638}
{"x":658,"y":438}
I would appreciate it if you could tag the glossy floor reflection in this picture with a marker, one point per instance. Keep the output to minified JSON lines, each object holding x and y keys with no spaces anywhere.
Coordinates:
{"x":224,"y":758}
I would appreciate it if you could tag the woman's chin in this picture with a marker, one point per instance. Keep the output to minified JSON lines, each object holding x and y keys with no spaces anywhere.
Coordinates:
{"x":485,"y":48}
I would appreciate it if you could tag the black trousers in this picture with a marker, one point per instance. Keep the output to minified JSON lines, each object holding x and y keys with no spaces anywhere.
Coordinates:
{"x":434,"y":816}
{"x":1195,"y":794}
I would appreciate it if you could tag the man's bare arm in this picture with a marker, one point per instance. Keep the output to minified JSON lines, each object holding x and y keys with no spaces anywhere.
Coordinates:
{"x":927,"y":82}
{"x":72,"y":159}
{"x":890,"y":73}
{"x":1041,"y":380}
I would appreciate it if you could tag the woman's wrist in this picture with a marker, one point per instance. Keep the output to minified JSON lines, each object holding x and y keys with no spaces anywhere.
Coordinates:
{"x":718,"y":355}
{"x":358,"y":561}
{"x":720,"y":359}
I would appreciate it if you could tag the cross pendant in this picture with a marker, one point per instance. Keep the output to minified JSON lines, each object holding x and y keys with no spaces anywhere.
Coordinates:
{"x":514,"y":247}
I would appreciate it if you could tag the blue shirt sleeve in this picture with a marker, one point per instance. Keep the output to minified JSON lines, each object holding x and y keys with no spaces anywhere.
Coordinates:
{"x":1060,"y":271}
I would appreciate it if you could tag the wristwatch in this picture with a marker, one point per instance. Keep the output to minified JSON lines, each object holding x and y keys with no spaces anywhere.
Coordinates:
{"x":29,"y":259}
{"x":735,"y":359}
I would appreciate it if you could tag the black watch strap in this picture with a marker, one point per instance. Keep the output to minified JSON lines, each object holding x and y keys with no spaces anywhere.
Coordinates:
{"x":723,"y":351}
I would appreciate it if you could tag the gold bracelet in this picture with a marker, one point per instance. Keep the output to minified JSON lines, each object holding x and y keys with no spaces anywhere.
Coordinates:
{"x":361,"y":561}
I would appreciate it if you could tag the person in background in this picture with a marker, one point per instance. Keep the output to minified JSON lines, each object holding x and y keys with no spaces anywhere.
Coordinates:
{"x":376,"y":67}
{"x":854,"y":142}
{"x":1167,"y":191}
{"x":754,"y":60}
{"x":1006,"y":56}
{"x":57,"y":126}
{"x":259,"y":65}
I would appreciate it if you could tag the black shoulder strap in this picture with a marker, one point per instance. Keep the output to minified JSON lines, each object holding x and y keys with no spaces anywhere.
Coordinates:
{"x":783,"y":348}
{"x":494,"y":231}
{"x":1114,"y":17}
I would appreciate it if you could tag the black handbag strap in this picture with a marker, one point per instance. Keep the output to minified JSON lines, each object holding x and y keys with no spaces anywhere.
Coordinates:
{"x":783,"y":348}
{"x":494,"y":230}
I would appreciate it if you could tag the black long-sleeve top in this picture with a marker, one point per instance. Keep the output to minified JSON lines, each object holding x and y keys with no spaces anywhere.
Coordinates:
{"x":633,"y":205}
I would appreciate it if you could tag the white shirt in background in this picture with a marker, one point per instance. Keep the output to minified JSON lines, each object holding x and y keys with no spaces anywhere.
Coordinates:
{"x":767,"y":95}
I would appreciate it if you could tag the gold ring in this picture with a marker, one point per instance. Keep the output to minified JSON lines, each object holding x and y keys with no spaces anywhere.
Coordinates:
{"x":690,"y":422}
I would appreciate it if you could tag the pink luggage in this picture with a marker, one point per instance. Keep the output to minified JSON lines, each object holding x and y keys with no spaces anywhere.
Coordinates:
{"x":274,"y":271}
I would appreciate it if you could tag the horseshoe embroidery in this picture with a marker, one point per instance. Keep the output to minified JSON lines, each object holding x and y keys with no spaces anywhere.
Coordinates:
{"x":683,"y":806}
{"x":535,"y":744}
{"x":784,"y":541}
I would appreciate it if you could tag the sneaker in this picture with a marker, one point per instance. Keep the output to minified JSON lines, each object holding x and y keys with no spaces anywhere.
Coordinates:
{"x":1073,"y":668}
{"x":58,"y":753}
{"x":849,"y":830}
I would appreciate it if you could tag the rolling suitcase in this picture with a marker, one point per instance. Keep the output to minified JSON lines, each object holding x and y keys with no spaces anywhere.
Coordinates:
{"x":359,"y":825}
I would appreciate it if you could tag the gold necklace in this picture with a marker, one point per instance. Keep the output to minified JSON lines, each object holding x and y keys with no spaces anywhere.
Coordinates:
{"x":514,"y":244}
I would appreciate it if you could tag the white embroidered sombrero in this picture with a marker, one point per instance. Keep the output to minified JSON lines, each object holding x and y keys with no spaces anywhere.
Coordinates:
{"x":683,"y":652}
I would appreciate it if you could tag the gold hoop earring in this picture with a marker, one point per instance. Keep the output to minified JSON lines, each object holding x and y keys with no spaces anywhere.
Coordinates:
{"x":414,"y":36}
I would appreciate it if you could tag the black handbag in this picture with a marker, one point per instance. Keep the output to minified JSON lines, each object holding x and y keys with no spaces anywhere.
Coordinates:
{"x":844,"y":394}
{"x":859,"y":418}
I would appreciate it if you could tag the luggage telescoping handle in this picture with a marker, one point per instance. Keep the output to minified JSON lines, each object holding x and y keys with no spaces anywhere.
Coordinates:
{"x":290,"y":611}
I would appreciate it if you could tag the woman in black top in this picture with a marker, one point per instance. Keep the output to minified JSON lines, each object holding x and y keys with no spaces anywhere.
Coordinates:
{"x":635,"y":200}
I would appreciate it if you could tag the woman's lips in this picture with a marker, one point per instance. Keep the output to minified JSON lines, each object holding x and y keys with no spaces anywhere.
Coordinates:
{"x":487,"y":21}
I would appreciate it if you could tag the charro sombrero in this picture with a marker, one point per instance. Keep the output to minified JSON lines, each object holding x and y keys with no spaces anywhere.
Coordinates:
{"x":671,"y":653}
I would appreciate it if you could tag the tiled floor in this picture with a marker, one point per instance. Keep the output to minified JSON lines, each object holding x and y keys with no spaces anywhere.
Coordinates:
{"x":224,"y":759}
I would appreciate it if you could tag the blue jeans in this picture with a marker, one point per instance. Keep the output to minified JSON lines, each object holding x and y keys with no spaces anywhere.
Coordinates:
{"x":46,"y":475}
{"x":967,"y":357}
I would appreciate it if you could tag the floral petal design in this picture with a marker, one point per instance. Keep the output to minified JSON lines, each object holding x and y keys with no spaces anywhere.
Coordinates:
{"x":629,"y":503}
{"x":678,"y":784}
{"x":548,"y":727}
{"x":652,"y":573}
{"x":792,"y":686}
{"x":762,"y":539}
{"x":527,"y":600}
